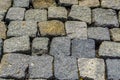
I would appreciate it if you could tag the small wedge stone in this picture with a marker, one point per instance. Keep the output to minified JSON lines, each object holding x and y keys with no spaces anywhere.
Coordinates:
{"x":115,"y":33}
{"x":68,"y":2}
{"x":21,"y":3}
{"x":3,"y":30}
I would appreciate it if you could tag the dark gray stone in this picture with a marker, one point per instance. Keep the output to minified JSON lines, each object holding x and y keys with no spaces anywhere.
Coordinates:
{"x":21,"y":3}
{"x":1,"y":44}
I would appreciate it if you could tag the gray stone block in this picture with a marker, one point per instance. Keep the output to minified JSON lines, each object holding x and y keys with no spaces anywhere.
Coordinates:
{"x":93,"y":69}
{"x":22,"y":28}
{"x":17,"y":44}
{"x":119,"y":16}
{"x":83,"y":48}
{"x":105,"y":17}
{"x":40,"y":66}
{"x":21,"y":3}
{"x":68,"y":2}
{"x":1,"y":45}
{"x":115,"y":34}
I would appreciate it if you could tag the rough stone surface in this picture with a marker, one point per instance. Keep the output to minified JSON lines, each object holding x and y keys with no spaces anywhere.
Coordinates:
{"x":119,"y":16}
{"x":93,"y":69}
{"x":17,"y":44}
{"x":1,"y":43}
{"x":36,"y":15}
{"x":109,"y":49}
{"x":51,"y":28}
{"x":60,"y":46}
{"x":115,"y":33}
{"x":3,"y":30}
{"x":114,"y":4}
{"x":22,"y":28}
{"x":40,"y":66}
{"x":98,"y":33}
{"x":80,"y":13}
{"x":105,"y":17}
{"x":5,"y":79}
{"x":57,"y":13}
{"x":68,"y":2}
{"x":113,"y":68}
{"x":37,"y":79}
{"x":13,"y":65}
{"x":15,"y":13}
{"x":83,"y":48}
{"x":65,"y":68}
{"x":40,"y":46}
{"x":89,"y":3}
{"x":21,"y":3}
{"x":76,"y":29}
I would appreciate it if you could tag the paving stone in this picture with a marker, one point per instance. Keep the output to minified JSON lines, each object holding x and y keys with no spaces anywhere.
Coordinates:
{"x":65,"y":68}
{"x":5,"y":4}
{"x":40,"y":66}
{"x":21,"y":3}
{"x":105,"y":17}
{"x":2,"y":30}
{"x":83,"y":48}
{"x":15,"y":13}
{"x":109,"y":49}
{"x":60,"y":46}
{"x":68,"y":2}
{"x":22,"y":28}
{"x":76,"y":29}
{"x":1,"y":44}
{"x":14,"y":65}
{"x":114,"y":4}
{"x":80,"y":13}
{"x":113,"y":68}
{"x":57,"y":13}
{"x":51,"y":28}
{"x":98,"y":33}
{"x":91,"y":68}
{"x":115,"y":33}
{"x":17,"y":44}
{"x":36,"y":15}
{"x":43,"y":3}
{"x":89,"y":3}
{"x":40,"y":46}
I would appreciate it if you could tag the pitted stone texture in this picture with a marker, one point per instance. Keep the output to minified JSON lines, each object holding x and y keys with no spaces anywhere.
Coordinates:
{"x":98,"y":33}
{"x":37,"y":4}
{"x":36,"y":15}
{"x":81,"y":13}
{"x":83,"y":48}
{"x":14,"y":65}
{"x":5,"y":4}
{"x":105,"y":17}
{"x":15,"y":13}
{"x":68,"y":2}
{"x":65,"y":68}
{"x":17,"y":44}
{"x":57,"y":13}
{"x":91,"y":68}
{"x":60,"y":46}
{"x":21,"y":3}
{"x":3,"y":30}
{"x":40,"y":66}
{"x":89,"y":3}
{"x":109,"y":49}
{"x":51,"y":28}
{"x":76,"y":29}
{"x":114,"y":4}
{"x":40,"y":46}
{"x":115,"y":33}
{"x":22,"y":28}
{"x":1,"y":44}
{"x":113,"y":68}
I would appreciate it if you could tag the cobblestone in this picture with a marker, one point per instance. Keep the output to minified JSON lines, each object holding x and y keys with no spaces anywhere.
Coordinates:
{"x":21,"y":3}
{"x":1,"y":43}
{"x":3,"y":30}
{"x":68,"y":2}
{"x":115,"y":33}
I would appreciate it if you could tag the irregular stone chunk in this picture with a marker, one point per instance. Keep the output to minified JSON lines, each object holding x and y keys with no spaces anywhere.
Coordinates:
{"x":80,"y":13}
{"x":60,"y":46}
{"x":3,"y":30}
{"x":113,"y":68}
{"x":57,"y":13}
{"x":98,"y":33}
{"x":17,"y":44}
{"x":68,"y":2}
{"x":115,"y":33}
{"x":40,"y":46}
{"x":14,"y":65}
{"x":40,"y":66}
{"x":93,"y":69}
{"x":51,"y":28}
{"x":109,"y":49}
{"x":65,"y":68}
{"x":105,"y":17}
{"x":83,"y":48}
{"x":76,"y":29}
{"x":22,"y":28}
{"x":21,"y":3}
{"x":36,"y":15}
{"x":1,"y":44}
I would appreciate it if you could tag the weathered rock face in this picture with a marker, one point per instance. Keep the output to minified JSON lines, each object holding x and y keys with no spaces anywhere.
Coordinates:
{"x":21,"y":3}
{"x":115,"y":33}
{"x":68,"y":2}
{"x":2,"y":30}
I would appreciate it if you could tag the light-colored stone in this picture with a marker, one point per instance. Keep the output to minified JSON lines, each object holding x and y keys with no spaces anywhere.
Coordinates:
{"x":115,"y":33}
{"x":21,"y":3}
{"x":3,"y":30}
{"x":68,"y":2}
{"x":5,"y":4}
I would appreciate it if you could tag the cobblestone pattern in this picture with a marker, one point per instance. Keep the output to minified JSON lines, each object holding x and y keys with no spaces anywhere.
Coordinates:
{"x":60,"y":39}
